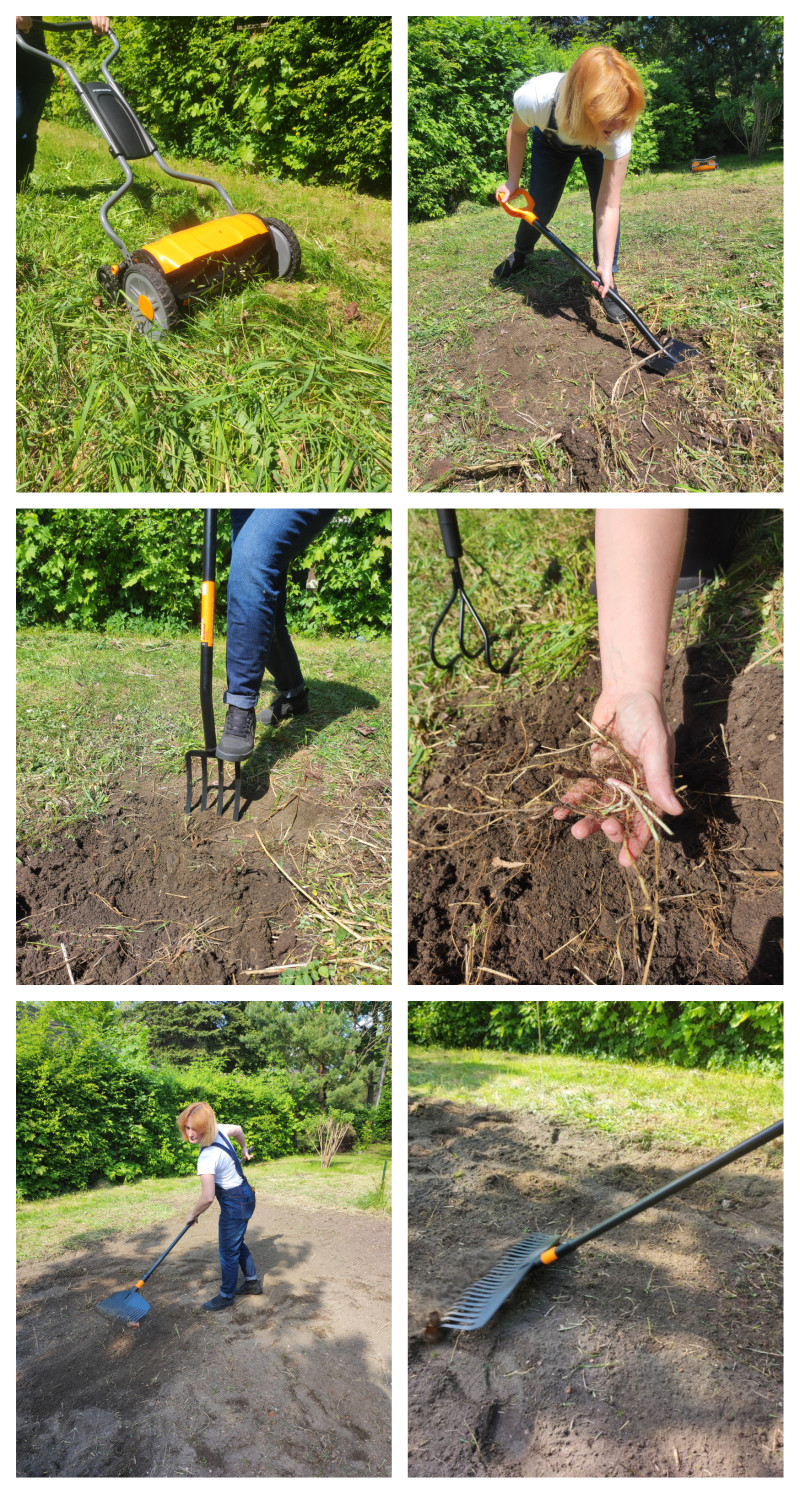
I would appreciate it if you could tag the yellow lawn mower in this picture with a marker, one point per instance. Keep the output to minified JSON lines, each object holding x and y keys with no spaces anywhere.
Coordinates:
{"x":162,"y":278}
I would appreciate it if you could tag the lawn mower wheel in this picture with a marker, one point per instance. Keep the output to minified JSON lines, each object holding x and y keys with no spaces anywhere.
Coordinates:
{"x":151,"y":302}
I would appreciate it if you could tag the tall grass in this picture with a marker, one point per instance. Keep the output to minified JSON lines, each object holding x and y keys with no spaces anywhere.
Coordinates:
{"x":270,"y":387}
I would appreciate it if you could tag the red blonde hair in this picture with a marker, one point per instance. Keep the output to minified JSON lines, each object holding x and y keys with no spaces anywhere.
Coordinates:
{"x":600,"y":86}
{"x":201,"y":1118}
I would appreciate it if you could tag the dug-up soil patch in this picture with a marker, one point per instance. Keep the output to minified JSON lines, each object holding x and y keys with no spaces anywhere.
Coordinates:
{"x":492,"y":886}
{"x":147,"y":897}
{"x":551,"y":369}
{"x":653,"y":1352}
{"x":291,"y":1384}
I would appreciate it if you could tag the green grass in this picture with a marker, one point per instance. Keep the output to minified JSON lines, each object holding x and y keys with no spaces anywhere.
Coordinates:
{"x":50,"y":1227}
{"x":697,"y":252}
{"x":96,"y":710}
{"x":651,"y":1103}
{"x":527,"y":573}
{"x":269,"y":388}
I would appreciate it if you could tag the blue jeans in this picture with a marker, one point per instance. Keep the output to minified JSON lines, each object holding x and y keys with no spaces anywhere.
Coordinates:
{"x":551,"y":164}
{"x":34,"y":81}
{"x":265,"y":543}
{"x":236,"y":1207}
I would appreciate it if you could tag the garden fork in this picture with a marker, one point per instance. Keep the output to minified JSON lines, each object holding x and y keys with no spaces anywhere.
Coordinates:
{"x":206,"y":665}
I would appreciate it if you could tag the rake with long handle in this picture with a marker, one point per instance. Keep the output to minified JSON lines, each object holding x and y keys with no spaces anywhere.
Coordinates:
{"x":481,"y":1301}
{"x":451,"y":537}
{"x":130,"y":1307}
{"x":671,"y":352}
{"x":209,"y":751}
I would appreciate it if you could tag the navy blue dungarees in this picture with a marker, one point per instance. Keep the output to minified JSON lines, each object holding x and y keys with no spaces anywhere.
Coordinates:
{"x":236,"y":1207}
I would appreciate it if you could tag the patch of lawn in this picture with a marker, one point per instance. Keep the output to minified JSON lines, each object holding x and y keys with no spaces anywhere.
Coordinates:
{"x":50,"y":1227}
{"x":273,"y":387}
{"x":650,"y":1103}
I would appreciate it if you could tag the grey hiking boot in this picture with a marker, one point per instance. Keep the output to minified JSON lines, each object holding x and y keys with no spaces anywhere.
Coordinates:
{"x":238,"y":738}
{"x":218,"y":1303}
{"x":248,"y":1288}
{"x":285,"y":707}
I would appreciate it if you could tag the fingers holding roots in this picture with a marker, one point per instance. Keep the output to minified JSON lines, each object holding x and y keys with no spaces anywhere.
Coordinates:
{"x":609,"y":793}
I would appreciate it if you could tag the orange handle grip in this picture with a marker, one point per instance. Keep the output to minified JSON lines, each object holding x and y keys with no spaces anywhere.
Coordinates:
{"x":139,"y":1284}
{"x":529,"y":216}
{"x":207,"y":613}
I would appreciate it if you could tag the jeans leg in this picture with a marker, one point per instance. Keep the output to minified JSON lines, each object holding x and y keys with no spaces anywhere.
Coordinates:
{"x":593,"y":163}
{"x":231,"y":1235}
{"x":549,"y":171}
{"x":247,"y":1263}
{"x":265,"y":543}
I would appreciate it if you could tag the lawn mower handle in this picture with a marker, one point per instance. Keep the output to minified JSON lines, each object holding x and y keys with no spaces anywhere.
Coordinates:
{"x":529,"y":215}
{"x":68,"y":26}
{"x":557,"y":1252}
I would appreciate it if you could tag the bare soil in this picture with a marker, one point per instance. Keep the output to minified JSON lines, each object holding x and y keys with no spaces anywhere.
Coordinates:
{"x":653,"y":1352}
{"x":291,"y":1384}
{"x":149,"y":897}
{"x":559,"y":911}
{"x":555,"y":368}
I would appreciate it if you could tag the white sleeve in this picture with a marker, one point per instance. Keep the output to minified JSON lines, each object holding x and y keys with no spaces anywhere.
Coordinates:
{"x":206,"y":1162}
{"x":534,"y":100}
{"x":618,"y":147}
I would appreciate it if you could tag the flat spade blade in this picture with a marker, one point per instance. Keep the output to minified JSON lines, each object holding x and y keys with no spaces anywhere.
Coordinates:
{"x":480,"y":1302}
{"x":674,"y":354}
{"x":124,"y":1307}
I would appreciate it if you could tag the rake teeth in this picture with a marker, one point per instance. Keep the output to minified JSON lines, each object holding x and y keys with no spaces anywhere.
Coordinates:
{"x":124,"y":1307}
{"x":480,"y":1302}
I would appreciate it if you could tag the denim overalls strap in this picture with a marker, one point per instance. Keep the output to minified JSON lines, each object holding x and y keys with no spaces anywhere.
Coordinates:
{"x":244,"y":1194}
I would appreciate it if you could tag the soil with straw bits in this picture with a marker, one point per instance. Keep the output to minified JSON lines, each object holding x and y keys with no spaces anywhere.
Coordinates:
{"x":499,"y":896}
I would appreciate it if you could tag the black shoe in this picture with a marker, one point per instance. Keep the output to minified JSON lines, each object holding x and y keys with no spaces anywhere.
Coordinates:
{"x":612,"y":310}
{"x":239,"y":737}
{"x":284,"y":707}
{"x":250,"y":1288}
{"x":217,"y":1303}
{"x":511,"y":266}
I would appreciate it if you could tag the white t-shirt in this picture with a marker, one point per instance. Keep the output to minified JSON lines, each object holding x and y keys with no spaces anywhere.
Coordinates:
{"x":215,"y":1159}
{"x":534,"y":100}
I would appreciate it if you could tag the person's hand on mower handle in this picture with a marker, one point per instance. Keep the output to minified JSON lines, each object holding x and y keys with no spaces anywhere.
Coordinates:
{"x":24,"y":23}
{"x":641,"y":726}
{"x":100,"y":25}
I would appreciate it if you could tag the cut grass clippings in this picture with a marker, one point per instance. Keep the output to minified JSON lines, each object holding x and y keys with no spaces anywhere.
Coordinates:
{"x":48,"y":1228}
{"x":654,"y":1104}
{"x":702,"y":256}
{"x":274,"y":387}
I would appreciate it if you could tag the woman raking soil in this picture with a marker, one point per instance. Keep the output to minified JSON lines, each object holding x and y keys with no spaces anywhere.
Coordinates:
{"x":221,"y":1175}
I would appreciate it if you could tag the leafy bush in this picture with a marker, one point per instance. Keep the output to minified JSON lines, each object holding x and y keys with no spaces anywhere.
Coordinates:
{"x":688,"y":1034}
{"x":300,"y":96}
{"x":118,"y":569}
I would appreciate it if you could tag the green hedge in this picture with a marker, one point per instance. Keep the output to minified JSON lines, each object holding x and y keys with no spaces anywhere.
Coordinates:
{"x":307,"y":97}
{"x":463,"y":73}
{"x":689,"y":1034}
{"x":116,"y":569}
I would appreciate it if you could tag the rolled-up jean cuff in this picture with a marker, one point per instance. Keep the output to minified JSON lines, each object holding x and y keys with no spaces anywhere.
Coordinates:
{"x":245,"y":702}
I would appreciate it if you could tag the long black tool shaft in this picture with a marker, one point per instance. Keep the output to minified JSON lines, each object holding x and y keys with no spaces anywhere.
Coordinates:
{"x":166,"y":1253}
{"x":207,"y":627}
{"x":451,"y":536}
{"x":592,"y":275}
{"x":557,"y":1252}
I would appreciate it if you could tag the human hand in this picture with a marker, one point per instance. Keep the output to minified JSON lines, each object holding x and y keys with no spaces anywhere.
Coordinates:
{"x":641,"y":727}
{"x":99,"y":25}
{"x":24,"y":23}
{"x":192,"y":1219}
{"x":248,"y":1156}
{"x":508,"y":188}
{"x":605,"y":282}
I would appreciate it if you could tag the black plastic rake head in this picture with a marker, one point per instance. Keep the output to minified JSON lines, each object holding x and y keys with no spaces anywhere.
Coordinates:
{"x":481,"y":1301}
{"x":448,"y":524}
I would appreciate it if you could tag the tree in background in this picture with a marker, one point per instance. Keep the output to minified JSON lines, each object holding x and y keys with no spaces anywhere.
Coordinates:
{"x":181,"y":1032}
{"x":331,"y":1051}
